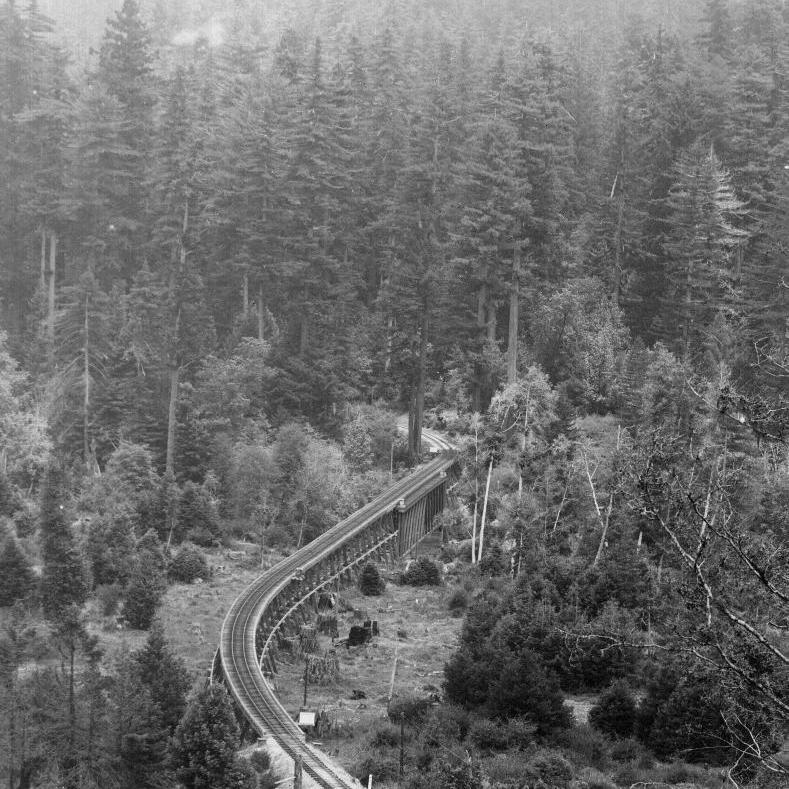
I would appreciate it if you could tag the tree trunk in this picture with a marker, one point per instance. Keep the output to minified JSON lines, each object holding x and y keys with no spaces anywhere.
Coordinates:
{"x":304,"y":332}
{"x":53,"y":251}
{"x":605,"y":521}
{"x":245,"y":294}
{"x":260,"y":311}
{"x":484,"y":512}
{"x":490,"y":323}
{"x":390,"y":324}
{"x":175,"y":372}
{"x":688,"y":310}
{"x":476,"y":394}
{"x":620,"y":213}
{"x":72,"y":708}
{"x":474,"y":525}
{"x":512,"y":340}
{"x":43,"y":272}
{"x":174,"y":361}
{"x":12,"y":757}
{"x":418,"y":400}
{"x":86,"y":391}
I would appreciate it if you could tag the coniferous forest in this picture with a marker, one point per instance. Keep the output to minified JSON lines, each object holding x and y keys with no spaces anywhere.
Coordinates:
{"x":240,"y":241}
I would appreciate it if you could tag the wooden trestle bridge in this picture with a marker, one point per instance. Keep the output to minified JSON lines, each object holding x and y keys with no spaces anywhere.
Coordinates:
{"x":388,"y":527}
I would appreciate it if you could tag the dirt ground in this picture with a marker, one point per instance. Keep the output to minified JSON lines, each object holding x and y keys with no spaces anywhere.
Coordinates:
{"x":427,"y":638}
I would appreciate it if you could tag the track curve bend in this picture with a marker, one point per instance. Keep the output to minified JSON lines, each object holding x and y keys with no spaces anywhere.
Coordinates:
{"x":246,"y":631}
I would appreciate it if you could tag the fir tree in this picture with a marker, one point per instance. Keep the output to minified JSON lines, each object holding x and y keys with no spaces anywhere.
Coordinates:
{"x":124,"y":71}
{"x":203,"y":748}
{"x":143,"y":594}
{"x":700,"y":238}
{"x":164,"y":675}
{"x":63,"y":578}
{"x":16,"y":575}
{"x":136,"y":734}
{"x":615,"y":712}
{"x":370,"y":581}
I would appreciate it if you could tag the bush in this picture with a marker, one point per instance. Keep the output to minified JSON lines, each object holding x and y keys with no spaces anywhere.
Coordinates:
{"x":370,"y":582}
{"x":549,"y":767}
{"x":493,"y":562}
{"x":16,"y":575}
{"x":260,"y":763}
{"x":109,"y":598}
{"x":382,"y":768}
{"x":458,"y":602}
{"x":615,"y":713}
{"x":520,"y":733}
{"x":260,"y":760}
{"x":585,"y":745}
{"x":412,"y":709}
{"x":25,"y":520}
{"x":509,"y":771}
{"x":446,"y":724}
{"x":143,"y":596}
{"x":111,"y":548}
{"x":629,"y":750}
{"x":488,"y":735}
{"x":387,"y":735}
{"x":594,"y":779}
{"x":188,"y":565}
{"x":197,"y":519}
{"x":422,"y":572}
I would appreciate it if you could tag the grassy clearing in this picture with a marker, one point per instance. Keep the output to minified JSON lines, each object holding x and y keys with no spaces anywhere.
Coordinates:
{"x":191,"y":614}
{"x":430,"y":639}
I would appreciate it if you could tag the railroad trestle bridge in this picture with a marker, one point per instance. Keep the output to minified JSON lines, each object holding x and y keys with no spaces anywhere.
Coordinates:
{"x":387,"y":528}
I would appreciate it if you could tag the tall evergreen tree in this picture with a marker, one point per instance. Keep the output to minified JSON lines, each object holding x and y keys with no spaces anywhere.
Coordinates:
{"x":494,"y":189}
{"x":16,"y":574}
{"x":63,"y":578}
{"x":125,"y":72}
{"x":203,"y":748}
{"x":700,"y":238}
{"x":164,"y":675}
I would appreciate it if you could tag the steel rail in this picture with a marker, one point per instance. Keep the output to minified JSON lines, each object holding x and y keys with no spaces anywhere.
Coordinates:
{"x":238,"y":657}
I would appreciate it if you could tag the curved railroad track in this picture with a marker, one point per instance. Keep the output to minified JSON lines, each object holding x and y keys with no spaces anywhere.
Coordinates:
{"x":238,"y":659}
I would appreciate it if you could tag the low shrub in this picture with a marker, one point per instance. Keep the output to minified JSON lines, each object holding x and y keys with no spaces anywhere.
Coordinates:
{"x":549,"y":767}
{"x":509,"y":771}
{"x":204,"y":537}
{"x":520,"y":733}
{"x":446,"y":724}
{"x":422,"y":572}
{"x":586,"y":745}
{"x":671,"y":773}
{"x":488,"y":735}
{"x":382,"y":768}
{"x":458,"y":602}
{"x":411,"y":709}
{"x":615,"y":713}
{"x":594,"y":779}
{"x":25,"y":520}
{"x":260,"y":760}
{"x":109,"y":598}
{"x":188,"y":565}
{"x":260,"y":763}
{"x":493,"y":563}
{"x":629,"y":750}
{"x":370,"y":582}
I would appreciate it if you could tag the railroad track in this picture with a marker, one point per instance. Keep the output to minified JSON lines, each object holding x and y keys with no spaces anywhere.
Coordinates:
{"x":238,"y":656}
